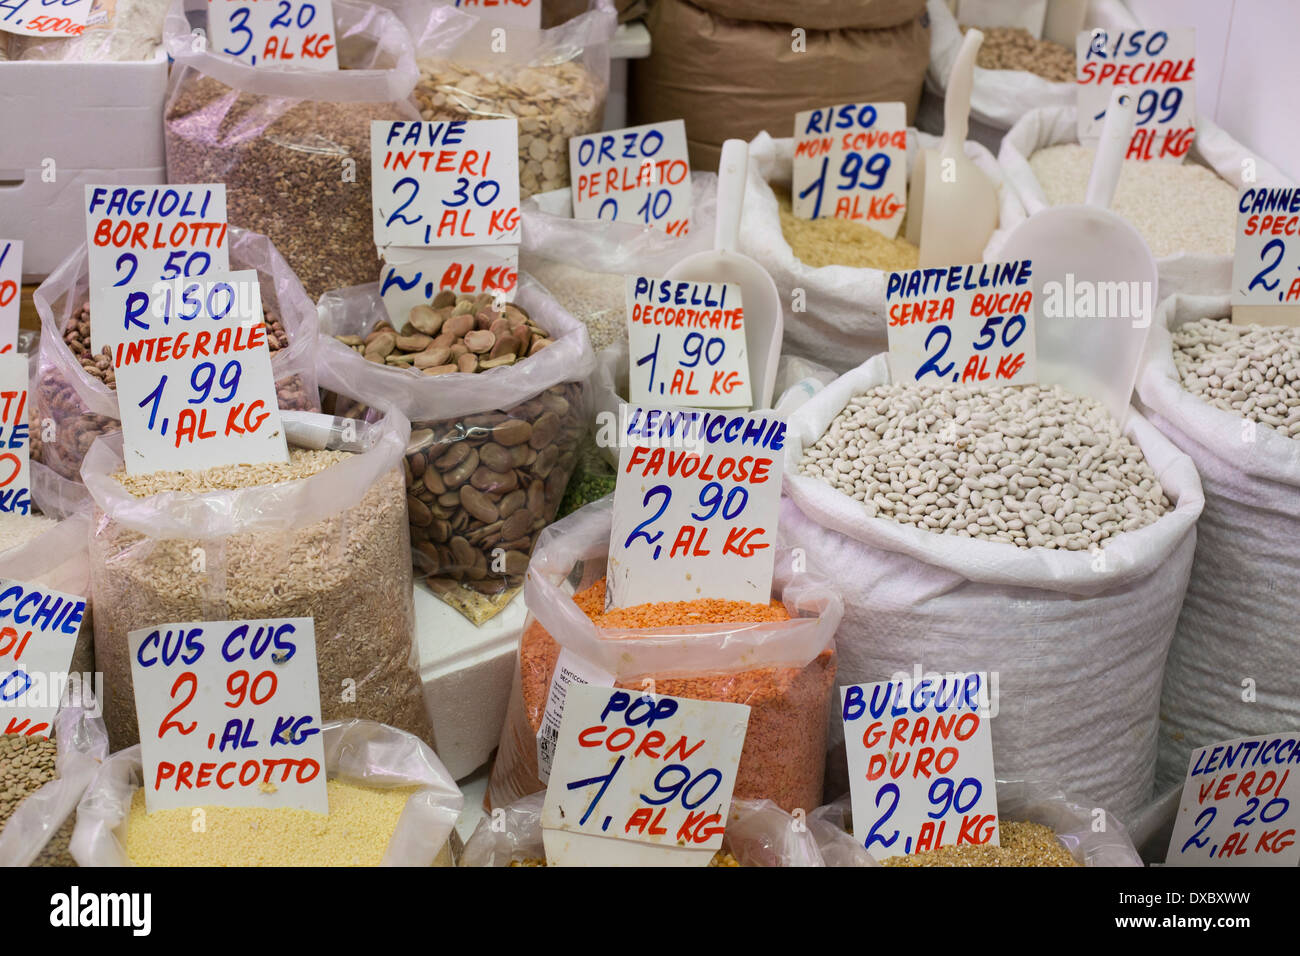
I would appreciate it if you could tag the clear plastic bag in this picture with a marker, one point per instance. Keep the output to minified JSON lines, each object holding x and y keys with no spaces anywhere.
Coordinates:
{"x":73,"y":407}
{"x":472,"y":555}
{"x":332,"y":547}
{"x":359,"y":751}
{"x":292,"y":146}
{"x":783,"y":670}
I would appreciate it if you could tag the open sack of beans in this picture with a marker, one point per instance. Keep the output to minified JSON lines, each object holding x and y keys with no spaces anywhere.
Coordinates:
{"x":323,"y":536}
{"x":43,"y":778}
{"x":75,"y":390}
{"x":779,"y":658}
{"x":496,"y":423}
{"x":291,"y":145}
{"x":391,"y":803}
{"x":836,"y":268}
{"x":1186,"y":212}
{"x":1229,"y":397}
{"x":1017,"y":531}
{"x":759,"y":833}
{"x":553,"y":81}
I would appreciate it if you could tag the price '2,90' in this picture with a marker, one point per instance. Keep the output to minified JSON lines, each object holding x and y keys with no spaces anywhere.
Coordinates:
{"x":714,"y":499}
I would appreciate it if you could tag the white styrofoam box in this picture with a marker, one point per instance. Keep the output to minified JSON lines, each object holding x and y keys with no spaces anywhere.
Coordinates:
{"x":97,"y":122}
{"x":467,"y":673}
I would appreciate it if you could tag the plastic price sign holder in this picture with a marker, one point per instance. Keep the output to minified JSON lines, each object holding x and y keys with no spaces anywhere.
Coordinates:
{"x":44,"y":18}
{"x":850,"y":162}
{"x":412,"y":277}
{"x":1095,"y":281}
{"x":764,"y":323}
{"x":954,"y":206}
{"x":640,"y":174}
{"x":35,"y":651}
{"x":696,"y":504}
{"x":920,"y":757}
{"x":641,"y":779}
{"x":1239,"y":804}
{"x":229,"y":714}
{"x":11,"y":281}
{"x":285,"y":35}
{"x":1266,"y":262}
{"x":1157,"y":68}
{"x":15,"y":436}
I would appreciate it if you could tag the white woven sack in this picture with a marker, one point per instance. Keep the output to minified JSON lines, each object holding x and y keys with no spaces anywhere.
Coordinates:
{"x":1243,"y":600}
{"x":1077,"y":648}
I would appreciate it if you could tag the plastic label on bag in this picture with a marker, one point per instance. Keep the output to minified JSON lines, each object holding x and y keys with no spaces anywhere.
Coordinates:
{"x":45,"y":18}
{"x":920,"y":757}
{"x":696,"y":505}
{"x":570,"y":669}
{"x":15,"y":436}
{"x":286,"y":34}
{"x":522,"y":14}
{"x":412,"y":277}
{"x":194,"y":379}
{"x":640,"y":174}
{"x":850,"y":162}
{"x":11,"y":280}
{"x":687,"y":343}
{"x":1239,"y":804}
{"x":1159,"y":67}
{"x":641,"y":780}
{"x":968,"y":325}
{"x":1266,"y":261}
{"x":38,"y":633}
{"x":229,"y":714}
{"x":445,"y":183}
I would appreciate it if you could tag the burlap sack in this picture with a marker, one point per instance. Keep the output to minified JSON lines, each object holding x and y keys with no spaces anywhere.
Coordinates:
{"x":820,"y":14}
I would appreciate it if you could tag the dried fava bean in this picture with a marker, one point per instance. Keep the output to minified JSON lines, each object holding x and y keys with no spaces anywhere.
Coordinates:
{"x":842,"y":242}
{"x":1022,"y":844}
{"x":1013,"y":48}
{"x":1032,"y":466}
{"x":1249,"y":370}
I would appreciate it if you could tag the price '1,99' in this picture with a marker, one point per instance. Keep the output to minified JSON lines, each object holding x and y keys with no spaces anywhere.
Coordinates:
{"x":205,"y":382}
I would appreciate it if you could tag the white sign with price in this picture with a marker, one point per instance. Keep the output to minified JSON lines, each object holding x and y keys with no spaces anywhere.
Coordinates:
{"x":641,"y":779}
{"x":11,"y":282}
{"x":968,"y":325}
{"x":229,"y":714}
{"x":280,"y":34}
{"x":850,"y":162}
{"x":45,"y":18}
{"x":446,"y":183}
{"x":1266,"y":265}
{"x":194,"y":380}
{"x":696,"y":504}
{"x":687,"y":343}
{"x":38,"y":632}
{"x":1159,"y":66}
{"x":15,"y":436}
{"x":1239,"y":804}
{"x":920,"y":759}
{"x":526,"y":14}
{"x":412,"y":277}
{"x":640,"y":174}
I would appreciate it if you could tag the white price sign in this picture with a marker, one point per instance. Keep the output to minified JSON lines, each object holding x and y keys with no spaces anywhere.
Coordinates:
{"x":445,"y":184}
{"x":920,"y":758}
{"x":524,"y":14}
{"x":279,"y":34}
{"x":641,"y":780}
{"x":696,"y":504}
{"x":229,"y":714}
{"x":640,"y":174}
{"x":412,"y":277}
{"x":1266,"y":265}
{"x":15,"y":436}
{"x":45,"y":18}
{"x":968,"y":325}
{"x":850,"y":162}
{"x":11,"y":283}
{"x":38,"y":633}
{"x":1159,"y":67}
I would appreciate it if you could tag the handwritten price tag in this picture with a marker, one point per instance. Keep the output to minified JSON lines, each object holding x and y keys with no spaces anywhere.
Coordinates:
{"x":850,"y":162}
{"x":1266,"y":265}
{"x":45,"y":18}
{"x":972,"y":325}
{"x":412,"y":277}
{"x":11,"y":281}
{"x":15,"y":439}
{"x":920,"y":758}
{"x":1239,"y":805}
{"x":638,"y":174}
{"x":281,"y":34}
{"x":641,"y":780}
{"x":194,"y":379}
{"x":525,"y":14}
{"x":445,"y":184}
{"x":229,"y":714}
{"x":687,"y":343}
{"x":1159,"y":66}
{"x":695,"y":506}
{"x":38,"y":633}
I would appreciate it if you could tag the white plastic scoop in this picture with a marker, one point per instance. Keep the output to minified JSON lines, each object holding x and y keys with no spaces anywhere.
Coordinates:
{"x":952,"y":207}
{"x":1094,"y":280}
{"x":764,"y":321}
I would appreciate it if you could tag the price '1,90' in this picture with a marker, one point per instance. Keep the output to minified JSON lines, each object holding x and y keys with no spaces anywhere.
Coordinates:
{"x":695,"y":347}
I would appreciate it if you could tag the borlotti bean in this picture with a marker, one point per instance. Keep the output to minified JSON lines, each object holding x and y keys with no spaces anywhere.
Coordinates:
{"x":1074,"y":641}
{"x":1207,"y":385}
